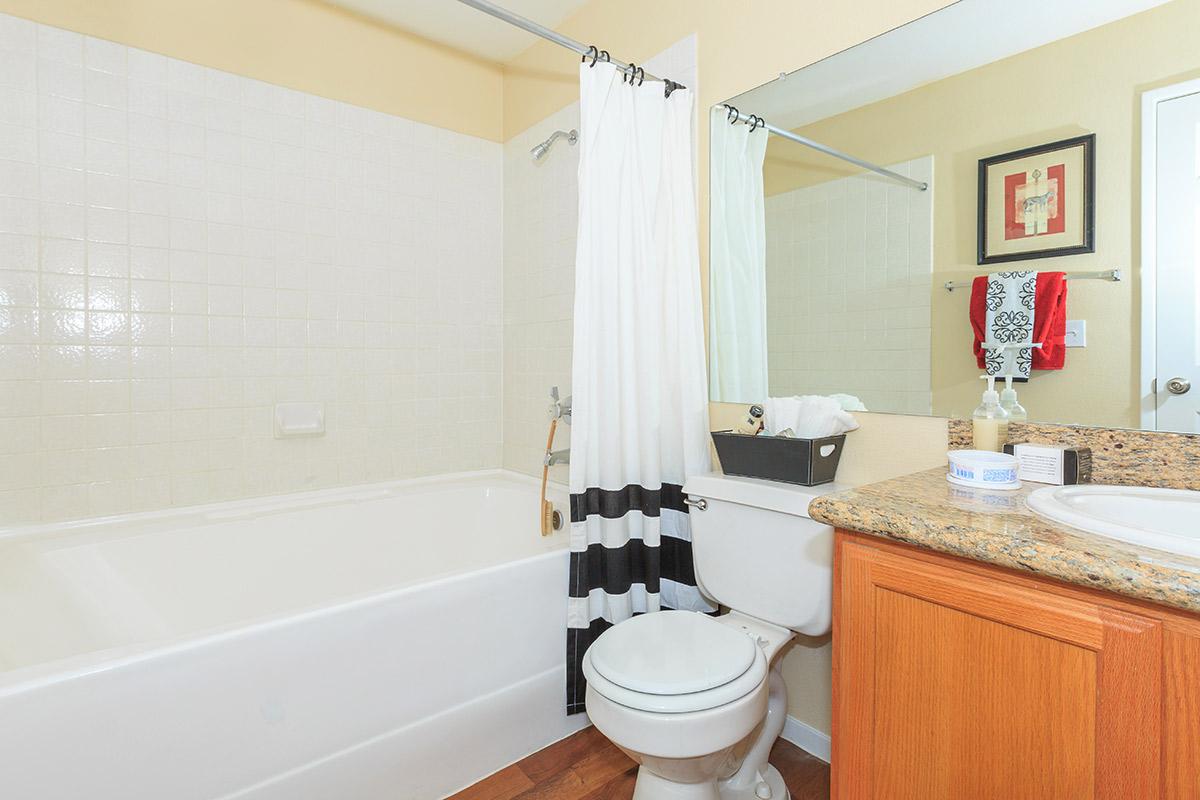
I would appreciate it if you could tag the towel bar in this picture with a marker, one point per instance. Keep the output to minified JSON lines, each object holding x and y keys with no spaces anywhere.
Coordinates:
{"x":1102,"y":275}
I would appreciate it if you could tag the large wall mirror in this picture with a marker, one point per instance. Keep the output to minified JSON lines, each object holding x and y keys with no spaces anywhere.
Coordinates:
{"x":1011,"y":191}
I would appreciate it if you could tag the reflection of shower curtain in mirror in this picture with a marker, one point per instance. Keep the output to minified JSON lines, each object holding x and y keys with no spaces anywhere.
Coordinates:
{"x":738,"y":273}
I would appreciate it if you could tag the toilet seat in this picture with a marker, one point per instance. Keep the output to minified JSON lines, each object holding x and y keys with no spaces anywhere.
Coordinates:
{"x":674,"y":662}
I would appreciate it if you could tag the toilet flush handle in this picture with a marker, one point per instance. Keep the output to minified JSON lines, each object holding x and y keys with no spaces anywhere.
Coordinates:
{"x":700,"y":504}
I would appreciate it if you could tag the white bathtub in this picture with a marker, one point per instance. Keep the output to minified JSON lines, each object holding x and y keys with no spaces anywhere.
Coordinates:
{"x":394,"y":641}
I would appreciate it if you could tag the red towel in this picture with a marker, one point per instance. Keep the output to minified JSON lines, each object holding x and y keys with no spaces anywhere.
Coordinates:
{"x":1049,"y":319}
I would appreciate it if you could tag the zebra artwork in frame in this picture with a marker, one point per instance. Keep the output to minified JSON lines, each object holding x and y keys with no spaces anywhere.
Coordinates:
{"x":1038,"y":202}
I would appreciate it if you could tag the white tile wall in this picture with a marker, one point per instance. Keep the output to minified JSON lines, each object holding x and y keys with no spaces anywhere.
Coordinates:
{"x":181,"y":248}
{"x":541,"y":212}
{"x":540,"y":221}
{"x":849,"y":276}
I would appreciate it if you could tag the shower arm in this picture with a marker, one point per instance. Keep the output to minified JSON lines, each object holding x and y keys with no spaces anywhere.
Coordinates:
{"x":572,"y":137}
{"x":540,"y":150}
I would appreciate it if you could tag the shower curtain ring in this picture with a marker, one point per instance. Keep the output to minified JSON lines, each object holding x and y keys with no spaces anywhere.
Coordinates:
{"x":731,"y":116}
{"x":668,"y":87}
{"x":605,"y":57}
{"x":641,"y":72}
{"x":593,"y":52}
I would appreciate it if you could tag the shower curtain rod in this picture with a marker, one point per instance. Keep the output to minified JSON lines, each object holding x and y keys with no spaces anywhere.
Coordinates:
{"x":826,"y":149}
{"x":505,"y":15}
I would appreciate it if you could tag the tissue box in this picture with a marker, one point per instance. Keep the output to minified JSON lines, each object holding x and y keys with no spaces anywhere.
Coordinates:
{"x":808,"y":462}
{"x":1061,"y":465}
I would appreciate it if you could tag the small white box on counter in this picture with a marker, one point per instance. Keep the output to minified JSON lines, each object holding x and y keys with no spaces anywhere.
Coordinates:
{"x":1062,"y":465}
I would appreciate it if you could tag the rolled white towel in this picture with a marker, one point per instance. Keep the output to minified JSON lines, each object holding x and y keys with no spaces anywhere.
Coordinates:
{"x":810,"y":416}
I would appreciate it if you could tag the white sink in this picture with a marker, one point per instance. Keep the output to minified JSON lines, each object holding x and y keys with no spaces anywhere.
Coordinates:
{"x":1165,"y":519}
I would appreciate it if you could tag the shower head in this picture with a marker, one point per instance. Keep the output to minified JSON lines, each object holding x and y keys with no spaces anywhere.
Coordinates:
{"x":542,"y":149}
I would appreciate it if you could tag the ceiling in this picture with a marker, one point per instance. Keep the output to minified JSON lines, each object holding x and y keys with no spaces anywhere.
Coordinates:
{"x":462,"y":27}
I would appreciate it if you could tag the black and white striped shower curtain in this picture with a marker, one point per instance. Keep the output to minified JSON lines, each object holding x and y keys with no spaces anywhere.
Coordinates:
{"x":640,"y":407}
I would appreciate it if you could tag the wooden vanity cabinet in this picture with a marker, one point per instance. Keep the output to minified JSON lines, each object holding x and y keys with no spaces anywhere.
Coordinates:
{"x":954,"y":680}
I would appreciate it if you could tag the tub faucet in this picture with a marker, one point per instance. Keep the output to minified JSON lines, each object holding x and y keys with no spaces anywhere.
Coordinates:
{"x":560,"y":409}
{"x":557,"y":457}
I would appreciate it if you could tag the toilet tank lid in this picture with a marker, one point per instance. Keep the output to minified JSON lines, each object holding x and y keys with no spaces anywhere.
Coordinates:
{"x":785,"y":498}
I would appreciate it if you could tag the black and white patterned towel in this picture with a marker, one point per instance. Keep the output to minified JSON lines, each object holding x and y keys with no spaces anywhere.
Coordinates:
{"x":1010,"y":313}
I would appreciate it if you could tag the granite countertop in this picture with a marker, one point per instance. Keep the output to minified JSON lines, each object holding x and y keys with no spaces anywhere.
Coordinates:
{"x":994,"y":527}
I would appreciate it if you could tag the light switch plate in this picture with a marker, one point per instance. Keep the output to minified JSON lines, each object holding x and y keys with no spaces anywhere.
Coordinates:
{"x":1076,"y":333}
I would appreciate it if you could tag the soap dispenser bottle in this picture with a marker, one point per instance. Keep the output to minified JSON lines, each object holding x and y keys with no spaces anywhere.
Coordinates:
{"x":1008,"y":401}
{"x":989,"y":423}
{"x":752,"y":425}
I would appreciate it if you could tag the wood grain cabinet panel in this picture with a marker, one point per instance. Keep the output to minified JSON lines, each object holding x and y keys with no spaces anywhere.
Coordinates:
{"x":1181,"y":710}
{"x":958,"y":681}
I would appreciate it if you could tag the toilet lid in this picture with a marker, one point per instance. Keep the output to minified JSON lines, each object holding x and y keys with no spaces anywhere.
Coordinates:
{"x":672,"y":653}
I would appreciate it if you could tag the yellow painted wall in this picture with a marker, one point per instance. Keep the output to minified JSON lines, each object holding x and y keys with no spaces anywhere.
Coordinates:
{"x":300,"y":44}
{"x":1088,"y":83}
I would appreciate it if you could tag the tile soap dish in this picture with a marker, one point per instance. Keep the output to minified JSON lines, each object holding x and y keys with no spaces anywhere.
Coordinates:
{"x":299,"y":419}
{"x":983,"y":469}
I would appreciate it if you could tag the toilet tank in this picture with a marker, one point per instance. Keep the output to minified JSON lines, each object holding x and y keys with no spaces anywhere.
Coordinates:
{"x":757,"y":551}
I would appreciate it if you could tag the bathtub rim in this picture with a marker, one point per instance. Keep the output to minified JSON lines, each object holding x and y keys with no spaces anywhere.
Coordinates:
{"x":310,"y":497}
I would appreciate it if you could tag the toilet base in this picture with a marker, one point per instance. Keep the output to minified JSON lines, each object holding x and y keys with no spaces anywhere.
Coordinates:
{"x":653,"y":787}
{"x":771,"y":777}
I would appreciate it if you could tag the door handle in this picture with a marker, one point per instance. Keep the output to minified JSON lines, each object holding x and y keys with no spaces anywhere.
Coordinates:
{"x":1179,"y":386}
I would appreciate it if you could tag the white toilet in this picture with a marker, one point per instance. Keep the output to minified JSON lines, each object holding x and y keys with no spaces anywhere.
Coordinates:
{"x":698,"y":701}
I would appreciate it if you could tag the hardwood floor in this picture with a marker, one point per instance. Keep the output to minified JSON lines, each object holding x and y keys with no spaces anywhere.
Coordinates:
{"x":586,"y":766}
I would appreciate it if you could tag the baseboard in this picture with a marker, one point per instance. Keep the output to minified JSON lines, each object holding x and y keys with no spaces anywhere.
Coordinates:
{"x":807,"y":738}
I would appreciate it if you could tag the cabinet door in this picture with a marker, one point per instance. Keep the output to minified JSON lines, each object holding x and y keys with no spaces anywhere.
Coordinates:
{"x":953,"y":684}
{"x":1181,"y":710}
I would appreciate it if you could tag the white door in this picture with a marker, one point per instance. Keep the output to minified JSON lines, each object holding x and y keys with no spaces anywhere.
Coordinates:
{"x":1177,"y":326}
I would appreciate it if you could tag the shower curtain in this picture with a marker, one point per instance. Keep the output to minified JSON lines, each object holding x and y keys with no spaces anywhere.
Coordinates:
{"x":738,"y":263}
{"x":640,"y":414}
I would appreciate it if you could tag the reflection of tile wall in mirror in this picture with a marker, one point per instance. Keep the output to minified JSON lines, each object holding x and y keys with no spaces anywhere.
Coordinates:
{"x":849,"y":266}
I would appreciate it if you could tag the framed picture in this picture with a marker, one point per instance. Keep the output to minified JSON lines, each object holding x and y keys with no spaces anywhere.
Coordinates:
{"x":1038,"y":202}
